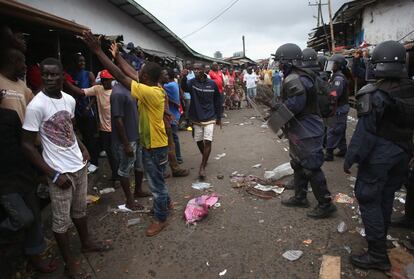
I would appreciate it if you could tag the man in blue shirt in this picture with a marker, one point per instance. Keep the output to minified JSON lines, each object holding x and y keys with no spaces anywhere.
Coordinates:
{"x":205,"y":111}
{"x":173,"y":92}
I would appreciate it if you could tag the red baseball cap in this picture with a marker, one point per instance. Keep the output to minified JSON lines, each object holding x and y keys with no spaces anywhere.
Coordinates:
{"x":105,"y":74}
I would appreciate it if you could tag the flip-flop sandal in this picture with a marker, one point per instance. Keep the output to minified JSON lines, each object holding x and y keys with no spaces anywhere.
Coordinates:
{"x":98,"y":249}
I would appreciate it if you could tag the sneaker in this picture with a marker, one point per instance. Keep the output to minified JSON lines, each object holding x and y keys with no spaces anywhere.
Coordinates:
{"x":296,"y":202}
{"x":155,"y":228}
{"x":102,"y":154}
{"x":322,"y":211}
{"x":92,"y":168}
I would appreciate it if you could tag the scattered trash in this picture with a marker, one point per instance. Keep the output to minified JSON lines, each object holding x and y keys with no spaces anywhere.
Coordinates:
{"x":348,"y":249}
{"x":264,"y":126}
{"x":92,"y":199}
{"x":396,"y":244}
{"x":390,"y":238}
{"x":223,"y":272}
{"x":257,"y":166}
{"x":284,"y":148}
{"x":330,"y":267}
{"x":266,"y":188}
{"x":240,"y":180}
{"x":261,"y":221}
{"x":123,"y":209}
{"x":219,"y":156}
{"x":279,"y":172}
{"x":197,"y":208}
{"x":292,"y":255}
{"x":361,"y":231}
{"x":252,"y":117}
{"x":201,"y":185}
{"x":408,"y":271}
{"x":343,"y":198}
{"x":220,"y":176}
{"x":402,"y":263}
{"x":190,"y":129}
{"x":226,"y":122}
{"x":132,"y":222}
{"x":307,"y":241}
{"x":342,"y":227}
{"x":207,"y":264}
{"x":241,"y":124}
{"x":107,"y":191}
{"x":217,"y":205}
{"x":234,"y":173}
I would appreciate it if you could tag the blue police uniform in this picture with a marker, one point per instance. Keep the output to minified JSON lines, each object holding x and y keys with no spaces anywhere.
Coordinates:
{"x":336,"y":137}
{"x":305,"y":133}
{"x":382,"y":152}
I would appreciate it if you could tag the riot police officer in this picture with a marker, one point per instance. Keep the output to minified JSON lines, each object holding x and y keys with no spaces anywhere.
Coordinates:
{"x":381,"y":146}
{"x":305,"y":133}
{"x":336,"y":136}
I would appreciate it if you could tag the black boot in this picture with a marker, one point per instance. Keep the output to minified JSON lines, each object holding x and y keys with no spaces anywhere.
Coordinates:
{"x":289,"y":185}
{"x":402,"y":222}
{"x":296,"y":202}
{"x":375,"y":258}
{"x":322,"y":211}
{"x":329,"y":155}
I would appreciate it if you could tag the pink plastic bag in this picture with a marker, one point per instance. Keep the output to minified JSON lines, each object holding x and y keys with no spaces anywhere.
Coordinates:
{"x":197,"y":208}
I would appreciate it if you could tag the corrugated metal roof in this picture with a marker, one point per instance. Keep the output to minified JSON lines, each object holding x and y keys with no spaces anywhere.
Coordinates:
{"x":137,"y":12}
{"x":21,"y":11}
{"x":347,"y":12}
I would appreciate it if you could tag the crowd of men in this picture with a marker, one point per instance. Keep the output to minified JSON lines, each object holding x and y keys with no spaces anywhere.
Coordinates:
{"x":137,"y":108}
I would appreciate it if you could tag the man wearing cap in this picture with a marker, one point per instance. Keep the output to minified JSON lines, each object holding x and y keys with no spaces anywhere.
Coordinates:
{"x":102,"y":92}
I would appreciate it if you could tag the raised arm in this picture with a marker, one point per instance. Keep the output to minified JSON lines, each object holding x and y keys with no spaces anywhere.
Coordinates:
{"x":95,"y":46}
{"x":122,"y":64}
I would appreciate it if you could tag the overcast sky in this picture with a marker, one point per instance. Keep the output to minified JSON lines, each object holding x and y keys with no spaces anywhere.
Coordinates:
{"x":266,"y":24}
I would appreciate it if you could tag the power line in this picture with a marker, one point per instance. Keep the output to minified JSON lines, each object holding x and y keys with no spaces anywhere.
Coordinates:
{"x":211,"y":20}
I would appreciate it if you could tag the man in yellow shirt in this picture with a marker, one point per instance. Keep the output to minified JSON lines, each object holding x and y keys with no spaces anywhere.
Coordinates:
{"x":153,"y":137}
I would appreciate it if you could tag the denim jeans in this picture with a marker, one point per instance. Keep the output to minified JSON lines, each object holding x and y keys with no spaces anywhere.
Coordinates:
{"x":24,"y":214}
{"x":174,"y":128}
{"x":155,"y":161}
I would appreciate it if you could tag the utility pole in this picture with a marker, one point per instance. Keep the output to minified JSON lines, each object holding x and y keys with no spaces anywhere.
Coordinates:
{"x":319,"y":4}
{"x":331,"y":26}
{"x":244,"y":47}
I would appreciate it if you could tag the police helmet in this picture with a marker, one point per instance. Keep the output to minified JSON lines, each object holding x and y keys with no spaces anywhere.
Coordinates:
{"x":389,"y":60}
{"x":289,"y":54}
{"x":309,"y":58}
{"x":337,"y":59}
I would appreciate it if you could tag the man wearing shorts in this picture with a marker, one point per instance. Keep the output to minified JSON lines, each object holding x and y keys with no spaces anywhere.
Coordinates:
{"x":205,"y":111}
{"x":125,"y":143}
{"x":64,"y":159}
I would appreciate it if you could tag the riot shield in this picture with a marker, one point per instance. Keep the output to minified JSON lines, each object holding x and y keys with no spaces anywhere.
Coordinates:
{"x":279,"y":118}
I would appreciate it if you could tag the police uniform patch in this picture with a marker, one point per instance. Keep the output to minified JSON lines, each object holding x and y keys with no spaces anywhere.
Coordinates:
{"x":337,"y":83}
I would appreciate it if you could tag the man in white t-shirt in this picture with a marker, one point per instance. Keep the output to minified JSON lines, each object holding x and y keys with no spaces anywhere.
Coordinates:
{"x":63,"y":161}
{"x":250,"y":80}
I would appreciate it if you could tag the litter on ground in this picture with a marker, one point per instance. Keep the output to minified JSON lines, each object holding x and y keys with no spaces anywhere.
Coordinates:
{"x":107,"y":191}
{"x":201,"y":185}
{"x":279,"y":172}
{"x":219,"y":156}
{"x":292,"y":255}
{"x":343,"y":198}
{"x":256,"y":166}
{"x":342,"y":227}
{"x":197,"y":208}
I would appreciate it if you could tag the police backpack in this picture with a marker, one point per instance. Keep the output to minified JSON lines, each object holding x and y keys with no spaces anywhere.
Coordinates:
{"x":326,"y":102}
